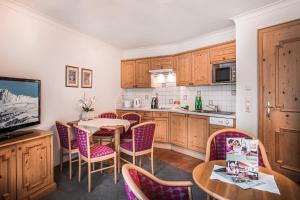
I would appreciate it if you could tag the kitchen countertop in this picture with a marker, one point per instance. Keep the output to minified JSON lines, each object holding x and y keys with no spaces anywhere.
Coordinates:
{"x":178,"y":110}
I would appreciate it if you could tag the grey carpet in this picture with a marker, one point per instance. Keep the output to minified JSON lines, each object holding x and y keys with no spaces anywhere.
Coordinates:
{"x":103,"y":186}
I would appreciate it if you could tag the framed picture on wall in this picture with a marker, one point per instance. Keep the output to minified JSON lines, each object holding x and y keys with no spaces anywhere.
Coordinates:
{"x":86,"y":78}
{"x":72,"y":76}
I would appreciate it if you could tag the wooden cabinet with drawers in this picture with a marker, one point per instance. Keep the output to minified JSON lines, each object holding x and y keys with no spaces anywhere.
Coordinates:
{"x":26,"y":166}
{"x":162,"y":62}
{"x":223,"y":53}
{"x":178,"y":129}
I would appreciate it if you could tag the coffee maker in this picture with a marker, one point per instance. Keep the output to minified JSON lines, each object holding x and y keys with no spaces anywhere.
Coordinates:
{"x":154,"y":102}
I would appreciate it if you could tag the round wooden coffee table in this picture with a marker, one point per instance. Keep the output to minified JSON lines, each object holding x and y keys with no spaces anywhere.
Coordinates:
{"x":221,"y":190}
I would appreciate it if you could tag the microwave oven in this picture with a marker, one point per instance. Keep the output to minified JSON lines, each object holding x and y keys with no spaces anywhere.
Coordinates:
{"x":224,"y":73}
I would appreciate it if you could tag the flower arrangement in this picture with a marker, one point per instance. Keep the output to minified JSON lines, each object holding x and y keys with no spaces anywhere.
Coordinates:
{"x":87,"y":103}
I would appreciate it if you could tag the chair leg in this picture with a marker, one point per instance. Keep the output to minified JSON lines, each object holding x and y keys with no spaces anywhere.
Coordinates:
{"x":152,"y":164}
{"x":133,"y":159}
{"x":61,"y":159}
{"x":140,"y":161}
{"x":89,"y":176}
{"x":115,"y":168}
{"x":70,"y":165}
{"x":101,"y":166}
{"x":119,"y":162}
{"x":79,"y":168}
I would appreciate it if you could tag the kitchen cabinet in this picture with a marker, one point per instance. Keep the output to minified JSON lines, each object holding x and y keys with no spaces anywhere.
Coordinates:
{"x":142,"y":75}
{"x":198,"y":131}
{"x":223,"y":53}
{"x":178,"y":129}
{"x":162,"y":62}
{"x":183,"y":65}
{"x":201,"y":68}
{"x":161,"y":129}
{"x":128,"y":74}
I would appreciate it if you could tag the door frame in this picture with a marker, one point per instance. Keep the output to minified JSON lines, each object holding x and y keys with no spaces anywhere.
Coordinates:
{"x":261,"y":109}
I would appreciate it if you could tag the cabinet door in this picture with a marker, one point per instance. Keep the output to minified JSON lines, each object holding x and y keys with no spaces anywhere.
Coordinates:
{"x":198,"y":131}
{"x":128,"y":74}
{"x":223,"y":53}
{"x":183,"y":65}
{"x":161,"y":130}
{"x":165,"y":62}
{"x":201,"y":68}
{"x":35,"y":167}
{"x":142,"y":75}
{"x":178,"y":129}
{"x":8,"y":173}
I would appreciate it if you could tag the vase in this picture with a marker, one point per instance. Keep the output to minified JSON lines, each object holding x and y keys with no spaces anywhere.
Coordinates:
{"x":87,"y":115}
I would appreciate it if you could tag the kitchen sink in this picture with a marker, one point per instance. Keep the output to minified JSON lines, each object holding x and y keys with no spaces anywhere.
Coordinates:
{"x":214,"y":112}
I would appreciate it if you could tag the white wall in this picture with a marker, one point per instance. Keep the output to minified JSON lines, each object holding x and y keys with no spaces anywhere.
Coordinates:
{"x":247,"y":64}
{"x":194,"y":43}
{"x":32,"y":46}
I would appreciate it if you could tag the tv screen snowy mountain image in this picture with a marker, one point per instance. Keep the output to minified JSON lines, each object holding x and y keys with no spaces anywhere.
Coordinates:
{"x":19,"y":103}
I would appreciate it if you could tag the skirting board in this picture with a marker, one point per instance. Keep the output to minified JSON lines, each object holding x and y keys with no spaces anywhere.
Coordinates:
{"x":178,"y":149}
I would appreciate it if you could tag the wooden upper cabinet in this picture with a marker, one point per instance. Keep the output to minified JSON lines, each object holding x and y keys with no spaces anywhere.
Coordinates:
{"x":178,"y":129}
{"x":223,"y":53}
{"x":183,"y":66}
{"x":128,"y":74}
{"x":164,"y":62}
{"x":201,"y":67}
{"x":198,"y":132}
{"x":142,"y":75}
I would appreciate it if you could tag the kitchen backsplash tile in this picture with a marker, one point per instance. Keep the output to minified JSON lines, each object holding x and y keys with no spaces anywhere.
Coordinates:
{"x":221,"y":95}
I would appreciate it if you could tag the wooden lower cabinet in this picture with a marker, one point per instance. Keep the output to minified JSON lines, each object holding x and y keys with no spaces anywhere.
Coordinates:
{"x":178,"y":129}
{"x":198,"y":130}
{"x":161,"y":130}
{"x":30,"y":162}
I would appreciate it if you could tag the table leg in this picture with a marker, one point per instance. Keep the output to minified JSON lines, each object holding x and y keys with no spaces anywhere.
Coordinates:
{"x":117,"y":146}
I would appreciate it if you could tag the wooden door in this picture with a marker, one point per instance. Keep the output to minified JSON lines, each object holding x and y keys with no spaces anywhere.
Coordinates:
{"x":8,"y":173}
{"x":164,"y":62}
{"x":201,"y":68}
{"x":142,"y":74}
{"x":178,"y":129}
{"x":183,"y":65}
{"x":279,"y":57}
{"x":161,"y":129}
{"x":35,"y":168}
{"x":223,"y":53}
{"x":128,"y":74}
{"x":198,"y":131}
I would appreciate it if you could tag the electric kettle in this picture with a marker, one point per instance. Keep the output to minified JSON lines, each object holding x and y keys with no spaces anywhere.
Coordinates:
{"x":137,"y":102}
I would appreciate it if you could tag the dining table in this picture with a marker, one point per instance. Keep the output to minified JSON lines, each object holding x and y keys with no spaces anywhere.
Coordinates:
{"x":220,"y":190}
{"x":115,"y":125}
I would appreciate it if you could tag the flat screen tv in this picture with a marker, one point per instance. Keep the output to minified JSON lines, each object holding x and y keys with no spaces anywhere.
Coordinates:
{"x":19,"y":103}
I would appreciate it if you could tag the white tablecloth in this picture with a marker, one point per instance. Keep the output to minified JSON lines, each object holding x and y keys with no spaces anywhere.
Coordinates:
{"x":95,"y":124}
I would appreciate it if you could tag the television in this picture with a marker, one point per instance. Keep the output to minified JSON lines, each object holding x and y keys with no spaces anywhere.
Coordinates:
{"x":19,"y":105}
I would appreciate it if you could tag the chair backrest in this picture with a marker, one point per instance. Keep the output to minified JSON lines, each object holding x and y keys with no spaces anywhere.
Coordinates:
{"x":216,"y":145}
{"x":110,"y":115}
{"x":143,"y":135}
{"x":83,"y":141}
{"x":132,"y":116}
{"x":140,"y":184}
{"x":63,"y":131}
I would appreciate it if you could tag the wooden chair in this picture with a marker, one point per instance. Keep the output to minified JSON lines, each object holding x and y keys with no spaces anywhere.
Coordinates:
{"x":105,"y":134}
{"x":216,"y":145}
{"x":93,"y":154}
{"x":141,"y":144}
{"x":140,"y":184}
{"x":130,"y":116}
{"x":67,"y":145}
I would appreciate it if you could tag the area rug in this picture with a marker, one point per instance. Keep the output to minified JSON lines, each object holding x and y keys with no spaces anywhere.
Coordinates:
{"x":103,"y":186}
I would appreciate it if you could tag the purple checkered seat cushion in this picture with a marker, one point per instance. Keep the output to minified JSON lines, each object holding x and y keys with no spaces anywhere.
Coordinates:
{"x":96,"y":150}
{"x":154,"y":190}
{"x":218,"y":145}
{"x":130,"y":116}
{"x":143,"y":138}
{"x":63,"y":134}
{"x":106,"y":132}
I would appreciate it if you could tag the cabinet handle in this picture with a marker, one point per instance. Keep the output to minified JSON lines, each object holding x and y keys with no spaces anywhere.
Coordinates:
{"x":20,"y":148}
{"x":13,"y":150}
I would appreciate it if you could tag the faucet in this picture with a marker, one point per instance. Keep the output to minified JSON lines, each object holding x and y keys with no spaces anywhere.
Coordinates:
{"x":213,"y":107}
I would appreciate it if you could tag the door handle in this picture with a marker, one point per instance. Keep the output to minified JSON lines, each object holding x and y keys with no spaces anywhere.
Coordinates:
{"x":269,"y":108}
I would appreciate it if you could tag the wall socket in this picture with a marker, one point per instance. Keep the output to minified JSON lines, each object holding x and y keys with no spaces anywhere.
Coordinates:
{"x":247,"y":105}
{"x":171,"y":101}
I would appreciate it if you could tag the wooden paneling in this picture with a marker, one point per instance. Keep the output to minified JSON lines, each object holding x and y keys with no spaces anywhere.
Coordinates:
{"x":201,"y":68}
{"x":164,"y":62}
{"x":128,"y":74}
{"x":8,"y":171}
{"x":178,"y":129}
{"x":183,"y":67}
{"x":161,"y":129}
{"x":223,"y":53}
{"x":198,"y":129}
{"x":142,"y":75}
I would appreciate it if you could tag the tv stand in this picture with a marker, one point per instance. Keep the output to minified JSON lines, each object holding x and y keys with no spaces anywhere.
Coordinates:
{"x":14,"y":134}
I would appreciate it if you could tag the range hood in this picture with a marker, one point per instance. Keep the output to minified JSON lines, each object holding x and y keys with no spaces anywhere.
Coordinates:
{"x":163,"y":78}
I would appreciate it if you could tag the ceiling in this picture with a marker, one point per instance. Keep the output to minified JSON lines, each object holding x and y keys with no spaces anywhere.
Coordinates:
{"x":132,"y":24}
